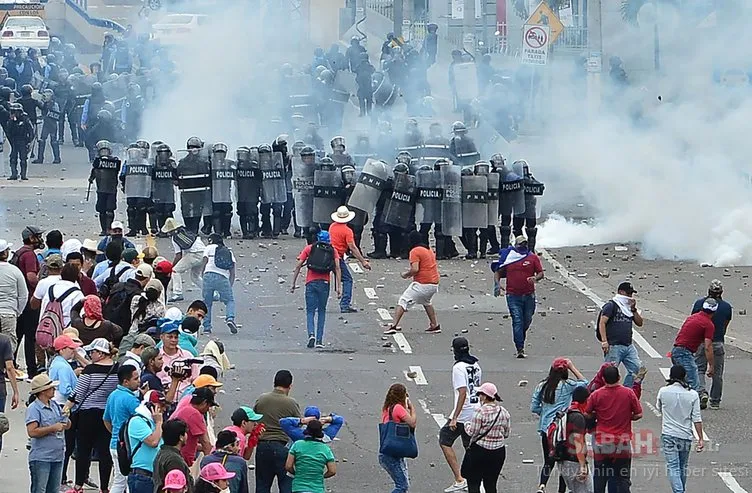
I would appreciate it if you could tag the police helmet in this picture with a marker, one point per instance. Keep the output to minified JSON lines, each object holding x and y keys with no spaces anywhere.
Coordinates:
{"x":5,"y":93}
{"x":104,"y":148}
{"x":26,"y":90}
{"x":281,"y":139}
{"x":48,"y":94}
{"x":194,"y":142}
{"x":404,"y":157}
{"x":265,"y":148}
{"x":401,"y":168}
{"x":307,"y":151}
{"x":104,"y":115}
{"x":497,"y":160}
{"x":337,"y":142}
{"x":243,"y":153}
{"x":441,"y":162}
{"x":55,"y":43}
{"x":525,"y":167}
{"x":219,"y":147}
{"x":327,"y":162}
{"x":157,"y":143}
{"x":459,"y":127}
{"x":467,"y":171}
{"x":143,"y":144}
{"x":134,"y":88}
{"x":482,"y":168}
{"x":326,"y":76}
{"x":318,"y":70}
{"x":425,"y":167}
{"x":70,"y":48}
{"x":411,"y":123}
{"x":96,"y":87}
{"x":163,"y":148}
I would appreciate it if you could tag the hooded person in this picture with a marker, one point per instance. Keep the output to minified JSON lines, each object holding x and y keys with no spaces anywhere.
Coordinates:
{"x":214,"y":355}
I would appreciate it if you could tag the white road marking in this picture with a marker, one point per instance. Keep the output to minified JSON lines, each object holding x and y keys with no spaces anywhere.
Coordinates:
{"x":424,"y":406}
{"x":653,"y":409}
{"x":732,"y":483}
{"x":384,"y":314}
{"x":440,"y":419}
{"x":355,"y":268}
{"x":420,"y":378}
{"x":402,"y":343}
{"x":371,"y":293}
{"x":581,"y":287}
{"x":666,"y":372}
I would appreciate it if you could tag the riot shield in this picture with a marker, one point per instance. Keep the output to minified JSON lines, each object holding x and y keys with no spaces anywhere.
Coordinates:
{"x":163,"y":186}
{"x":465,"y":151}
{"x":430,"y":194}
{"x":273,"y":190}
{"x":194,"y":182}
{"x":367,"y":191}
{"x":384,"y":92}
{"x":222,"y":174}
{"x":493,"y":198}
{"x":533,"y":189}
{"x":474,"y":201}
{"x":465,"y":82}
{"x":302,"y":184}
{"x":511,"y":192}
{"x":248,"y":178}
{"x":137,"y":175}
{"x":327,"y":190}
{"x":451,"y":203}
{"x":432,"y":152}
{"x":398,"y":211}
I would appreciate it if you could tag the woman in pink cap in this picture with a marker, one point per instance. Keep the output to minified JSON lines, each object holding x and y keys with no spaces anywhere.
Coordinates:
{"x":175,"y":482}
{"x":213,"y":478}
{"x":551,"y":395}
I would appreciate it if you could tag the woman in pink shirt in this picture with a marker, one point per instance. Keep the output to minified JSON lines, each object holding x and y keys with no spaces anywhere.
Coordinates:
{"x":397,"y":407}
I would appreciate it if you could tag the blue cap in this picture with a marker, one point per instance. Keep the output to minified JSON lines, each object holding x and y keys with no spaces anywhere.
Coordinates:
{"x":323,"y":236}
{"x":312,"y":412}
{"x":167,"y":326}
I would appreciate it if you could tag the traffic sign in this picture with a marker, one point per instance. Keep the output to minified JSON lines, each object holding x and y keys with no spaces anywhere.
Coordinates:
{"x":544,"y":16}
{"x":535,"y":43}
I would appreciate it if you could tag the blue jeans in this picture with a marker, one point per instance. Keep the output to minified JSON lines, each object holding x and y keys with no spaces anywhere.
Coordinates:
{"x":396,"y":467}
{"x":45,"y":476}
{"x":316,"y":297}
{"x":270,"y":464}
{"x":628,"y":356}
{"x":219,"y":283}
{"x":521,"y":309}
{"x":676,"y":451}
{"x":140,"y":484}
{"x":347,"y":285}
{"x":685,"y":357}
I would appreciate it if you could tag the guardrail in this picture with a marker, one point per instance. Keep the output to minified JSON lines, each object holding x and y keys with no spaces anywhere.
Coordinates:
{"x":383,"y":7}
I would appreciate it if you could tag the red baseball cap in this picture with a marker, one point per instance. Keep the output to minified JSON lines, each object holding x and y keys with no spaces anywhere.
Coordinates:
{"x":64,"y":341}
{"x":164,"y":267}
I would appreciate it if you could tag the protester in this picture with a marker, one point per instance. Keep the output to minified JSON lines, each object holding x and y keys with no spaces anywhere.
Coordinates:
{"x":220,"y":280}
{"x":598,"y":381}
{"x":271,"y":452}
{"x":144,"y":440}
{"x":247,"y":427}
{"x":680,"y":411}
{"x":397,"y":407}
{"x":92,"y":324}
{"x":295,"y":427}
{"x":343,"y":240}
{"x":114,"y":268}
{"x":194,"y":415}
{"x":116,"y":236}
{"x":697,"y":329}
{"x":310,"y":461}
{"x":523,"y":270}
{"x":318,"y":277}
{"x":13,"y":296}
{"x":213,"y":478}
{"x":171,"y":353}
{"x":61,"y":371}
{"x":148,"y":305}
{"x":614,"y":407}
{"x":121,"y":405}
{"x":45,"y":425}
{"x":424,"y":271}
{"x":187,"y":329}
{"x":87,"y":285}
{"x":488,"y":430}
{"x":64,"y":290}
{"x":169,"y":458}
{"x":227,"y":453}
{"x":26,"y":260}
{"x":154,"y":363}
{"x":551,"y":396}
{"x":175,"y":482}
{"x":186,"y":260}
{"x":7,"y":372}
{"x":214,"y":355}
{"x":132,"y":356}
{"x":721,"y":320}
{"x":615,"y":332}
{"x":118,"y":304}
{"x":149,"y":254}
{"x":52,"y":265}
{"x":573,"y":464}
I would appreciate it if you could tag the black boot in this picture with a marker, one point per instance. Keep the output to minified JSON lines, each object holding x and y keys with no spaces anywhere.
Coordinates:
{"x":379,"y":246}
{"x":244,"y":230}
{"x":103,"y":224}
{"x":395,"y":245}
{"x":483,"y":243}
{"x":24,"y":167}
{"x":226,"y":226}
{"x":470,"y":240}
{"x":493,"y":240}
{"x":55,"y":153}
{"x":207,"y":228}
{"x":504,"y":233}
{"x":132,"y":222}
{"x":40,"y":153}
{"x":154,"y":223}
{"x":532,"y":233}
{"x":440,"y":247}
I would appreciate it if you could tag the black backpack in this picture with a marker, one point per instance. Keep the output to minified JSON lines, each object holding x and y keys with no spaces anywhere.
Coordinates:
{"x":112,"y":279}
{"x":321,"y":258}
{"x":598,"y":319}
{"x":124,"y":453}
{"x":184,"y":238}
{"x":223,"y":258}
{"x":117,"y":307}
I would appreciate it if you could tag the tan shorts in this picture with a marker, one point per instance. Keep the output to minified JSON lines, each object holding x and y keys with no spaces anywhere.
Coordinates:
{"x":418,"y":294}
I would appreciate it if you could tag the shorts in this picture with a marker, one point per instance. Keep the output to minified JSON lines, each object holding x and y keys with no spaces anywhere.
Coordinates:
{"x":448,"y":436}
{"x":106,"y":202}
{"x":416,"y":293}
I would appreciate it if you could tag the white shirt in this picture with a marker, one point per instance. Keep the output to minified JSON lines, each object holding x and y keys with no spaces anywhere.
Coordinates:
{"x":44,"y":286}
{"x":680,"y":409}
{"x":103,"y":276}
{"x":211,"y":266}
{"x":197,"y":247}
{"x":468,"y":377}
{"x":132,"y":359}
{"x":58,"y":289}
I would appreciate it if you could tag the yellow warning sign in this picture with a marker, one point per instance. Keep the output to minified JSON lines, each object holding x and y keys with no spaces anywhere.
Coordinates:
{"x":544,"y":16}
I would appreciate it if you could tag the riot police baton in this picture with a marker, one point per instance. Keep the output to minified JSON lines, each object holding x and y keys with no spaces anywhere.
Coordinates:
{"x":88,"y":191}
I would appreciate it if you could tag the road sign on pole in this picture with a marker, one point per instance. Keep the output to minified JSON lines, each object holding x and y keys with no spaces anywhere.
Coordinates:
{"x":544,"y":16}
{"x":535,"y":43}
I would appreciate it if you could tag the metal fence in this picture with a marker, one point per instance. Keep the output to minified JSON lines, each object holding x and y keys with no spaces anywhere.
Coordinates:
{"x":383,"y":7}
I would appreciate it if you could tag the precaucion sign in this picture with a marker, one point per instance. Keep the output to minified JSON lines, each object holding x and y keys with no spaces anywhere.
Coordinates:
{"x":535,"y":41}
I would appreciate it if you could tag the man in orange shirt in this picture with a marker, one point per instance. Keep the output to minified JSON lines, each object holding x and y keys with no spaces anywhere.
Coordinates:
{"x":425,"y":273}
{"x":343,"y":240}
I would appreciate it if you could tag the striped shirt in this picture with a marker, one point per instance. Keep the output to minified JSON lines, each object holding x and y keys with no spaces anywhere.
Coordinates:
{"x":483,"y":421}
{"x":95,"y":384}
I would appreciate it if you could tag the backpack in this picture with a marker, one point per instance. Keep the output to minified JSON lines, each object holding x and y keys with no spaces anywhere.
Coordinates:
{"x":556,"y":434}
{"x":16,"y":258}
{"x":321,"y":258}
{"x":223,"y":258}
{"x":124,"y":453}
{"x":51,"y":323}
{"x":112,"y":279}
{"x":117,"y":307}
{"x":598,"y":319}
{"x":184,"y":238}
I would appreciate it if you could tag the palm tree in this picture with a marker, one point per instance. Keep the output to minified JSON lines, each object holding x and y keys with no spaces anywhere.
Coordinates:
{"x":630,"y":10}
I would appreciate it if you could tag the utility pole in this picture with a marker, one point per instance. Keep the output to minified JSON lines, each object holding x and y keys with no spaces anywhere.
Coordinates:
{"x":595,"y":56}
{"x":399,"y":14}
{"x":468,"y":25}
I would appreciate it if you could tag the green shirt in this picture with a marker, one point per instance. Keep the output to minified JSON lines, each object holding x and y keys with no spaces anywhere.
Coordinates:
{"x":311,"y":458}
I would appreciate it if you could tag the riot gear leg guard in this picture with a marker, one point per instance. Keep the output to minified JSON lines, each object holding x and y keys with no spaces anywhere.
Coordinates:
{"x":103,"y":223}
{"x":40,"y":152}
{"x":276,"y":220}
{"x":517,"y":223}
{"x":470,"y":240}
{"x":395,"y":242}
{"x":483,"y":242}
{"x":379,"y":246}
{"x":207,"y":229}
{"x":133,"y":225}
{"x":192,"y":223}
{"x":55,"y":152}
{"x":492,"y":240}
{"x":532,"y":233}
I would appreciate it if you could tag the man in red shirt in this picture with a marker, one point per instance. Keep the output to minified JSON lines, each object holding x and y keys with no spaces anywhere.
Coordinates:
{"x":522,"y":269}
{"x":194,"y":416}
{"x":25,"y":258}
{"x":343,"y":240}
{"x":86,"y":284}
{"x":614,"y":407}
{"x":696,"y":330}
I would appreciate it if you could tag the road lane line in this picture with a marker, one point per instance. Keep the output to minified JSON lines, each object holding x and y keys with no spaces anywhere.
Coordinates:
{"x":371,"y":293}
{"x":731,"y":482}
{"x":355,"y":268}
{"x":420,"y":378}
{"x":384,"y":314}
{"x":424,"y":406}
{"x":665,"y":372}
{"x":584,"y":289}
{"x":441,"y":420}
{"x":402,"y":343}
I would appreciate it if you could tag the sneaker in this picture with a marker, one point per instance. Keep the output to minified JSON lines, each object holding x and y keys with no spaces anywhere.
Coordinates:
{"x":640,"y":375}
{"x":311,"y":342}
{"x":216,"y":296}
{"x":521,"y":354}
{"x":435,"y":330}
{"x":176,"y":297}
{"x":206,"y":331}
{"x":349,"y":309}
{"x":457,"y":487}
{"x":392,"y":329}
{"x":231,"y":324}
{"x":715,"y":406}
{"x":91,"y":484}
{"x":704,"y":398}
{"x":319,"y":345}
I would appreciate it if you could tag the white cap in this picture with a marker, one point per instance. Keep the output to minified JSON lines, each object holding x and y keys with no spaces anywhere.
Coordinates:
{"x":4,"y":245}
{"x":117,"y":225}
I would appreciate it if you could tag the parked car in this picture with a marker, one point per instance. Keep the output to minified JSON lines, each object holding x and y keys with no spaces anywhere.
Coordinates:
{"x":174,"y":29}
{"x":24,"y":32}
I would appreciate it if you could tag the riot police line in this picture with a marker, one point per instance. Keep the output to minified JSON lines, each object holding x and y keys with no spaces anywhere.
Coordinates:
{"x":444,"y":186}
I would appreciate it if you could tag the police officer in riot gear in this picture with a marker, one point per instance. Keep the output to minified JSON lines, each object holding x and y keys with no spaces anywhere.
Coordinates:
{"x":399,"y":210}
{"x":223,"y":175}
{"x":132,"y":111}
{"x":362,"y":151}
{"x":361,"y":218}
{"x":496,"y":161}
{"x":89,"y":113}
{"x":533,"y":189}
{"x":339,"y":154}
{"x":51,"y":118}
{"x":20,"y":133}
{"x":379,"y":229}
{"x":462,"y":147}
{"x":386,"y":145}
{"x":163,"y":186}
{"x":271,"y":212}
{"x":248,"y":190}
{"x":194,"y":182}
{"x":288,"y":208}
{"x":104,"y":129}
{"x":412,"y":141}
{"x":105,"y":170}
{"x":136,"y":179}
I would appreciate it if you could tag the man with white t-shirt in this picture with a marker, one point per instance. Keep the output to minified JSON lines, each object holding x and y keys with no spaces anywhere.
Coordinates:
{"x":66,"y":290}
{"x":189,"y":255}
{"x":54,"y":265}
{"x":219,"y":280}
{"x":466,"y":378}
